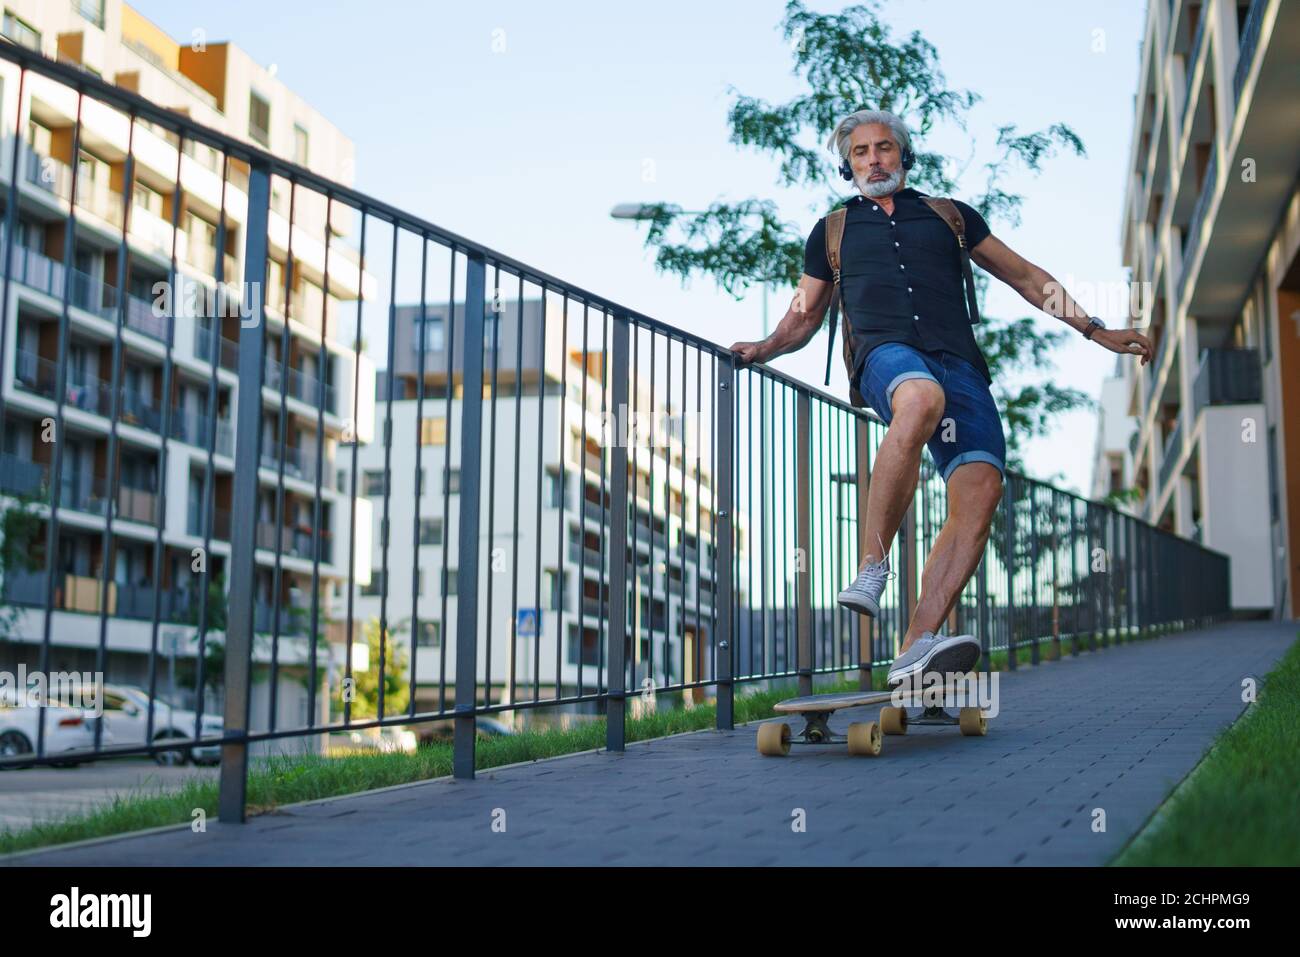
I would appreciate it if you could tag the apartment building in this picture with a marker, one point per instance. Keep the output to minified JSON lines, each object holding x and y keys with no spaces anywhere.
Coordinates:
{"x":544,"y":505}
{"x":1112,"y":459}
{"x":1212,"y":223}
{"x":141,"y":494}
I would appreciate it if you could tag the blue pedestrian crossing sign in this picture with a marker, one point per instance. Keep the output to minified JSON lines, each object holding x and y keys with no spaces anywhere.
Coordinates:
{"x":527,"y":622}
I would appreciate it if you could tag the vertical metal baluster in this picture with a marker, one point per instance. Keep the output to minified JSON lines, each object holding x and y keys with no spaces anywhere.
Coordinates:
{"x":243,"y":518}
{"x":467,"y":568}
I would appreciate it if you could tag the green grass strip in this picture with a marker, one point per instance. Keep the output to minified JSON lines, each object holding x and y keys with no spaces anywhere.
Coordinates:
{"x":1238,"y":806}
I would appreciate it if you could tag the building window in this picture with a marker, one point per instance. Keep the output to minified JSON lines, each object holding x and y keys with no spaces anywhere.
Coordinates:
{"x":259,"y":119}
{"x":433,"y":431}
{"x":430,"y":531}
{"x":419,"y":582}
{"x":555,"y":586}
{"x":376,"y":586}
{"x":554,"y":491}
{"x":588,"y":646}
{"x":452,"y":480}
{"x":91,"y":10}
{"x":430,"y":635}
{"x":429,"y":333}
{"x":448,"y":581}
{"x":299,"y":145}
{"x":372,"y":483}
{"x":21,"y":33}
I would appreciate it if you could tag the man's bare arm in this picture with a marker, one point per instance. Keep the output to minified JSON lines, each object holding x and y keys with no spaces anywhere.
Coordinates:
{"x":1038,"y":288}
{"x":796,"y":328}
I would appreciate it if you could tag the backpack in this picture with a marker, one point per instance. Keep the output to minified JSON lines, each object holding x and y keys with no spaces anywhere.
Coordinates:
{"x":947,"y":210}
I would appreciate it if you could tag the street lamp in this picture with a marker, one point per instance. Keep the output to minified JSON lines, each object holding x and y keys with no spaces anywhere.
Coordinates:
{"x":639,"y":211}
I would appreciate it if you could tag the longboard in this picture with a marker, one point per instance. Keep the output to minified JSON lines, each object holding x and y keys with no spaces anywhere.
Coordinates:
{"x":863,"y":737}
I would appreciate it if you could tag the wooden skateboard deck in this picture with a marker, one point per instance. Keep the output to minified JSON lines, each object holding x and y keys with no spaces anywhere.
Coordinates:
{"x":863,"y":737}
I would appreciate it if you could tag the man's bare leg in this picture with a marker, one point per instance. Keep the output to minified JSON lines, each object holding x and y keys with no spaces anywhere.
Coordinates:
{"x":974,"y":490}
{"x":916,"y":407}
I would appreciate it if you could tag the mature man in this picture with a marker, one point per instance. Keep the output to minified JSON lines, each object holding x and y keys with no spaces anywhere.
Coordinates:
{"x":916,"y":363}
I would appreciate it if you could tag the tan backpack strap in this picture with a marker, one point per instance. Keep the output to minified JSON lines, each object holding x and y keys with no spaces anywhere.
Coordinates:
{"x":834,"y":236}
{"x":947,"y":211}
{"x":950,"y":214}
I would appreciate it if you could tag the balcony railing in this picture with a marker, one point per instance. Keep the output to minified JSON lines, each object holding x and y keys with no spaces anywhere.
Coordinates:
{"x":194,"y":524}
{"x":203,"y":346}
{"x":193,"y":428}
{"x":1227,"y":377}
{"x":299,"y":461}
{"x":1172,"y":453}
{"x":300,"y":385}
{"x":1193,"y":58}
{"x":1195,"y":224}
{"x":1249,"y":44}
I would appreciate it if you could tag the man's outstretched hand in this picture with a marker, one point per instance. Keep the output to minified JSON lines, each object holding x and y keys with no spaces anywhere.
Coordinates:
{"x":1126,"y":341}
{"x":749,"y":352}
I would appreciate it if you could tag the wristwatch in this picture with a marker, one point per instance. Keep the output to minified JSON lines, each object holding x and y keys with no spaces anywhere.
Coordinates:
{"x":1092,"y":326}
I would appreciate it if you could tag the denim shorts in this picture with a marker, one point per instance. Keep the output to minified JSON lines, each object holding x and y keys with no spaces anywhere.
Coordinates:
{"x":970,"y":429}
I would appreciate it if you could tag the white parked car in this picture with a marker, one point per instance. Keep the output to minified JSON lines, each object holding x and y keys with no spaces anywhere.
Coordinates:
{"x":67,"y":730}
{"x":127,"y":709}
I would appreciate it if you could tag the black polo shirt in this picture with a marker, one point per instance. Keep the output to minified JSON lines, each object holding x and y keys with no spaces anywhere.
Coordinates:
{"x":901,"y":276}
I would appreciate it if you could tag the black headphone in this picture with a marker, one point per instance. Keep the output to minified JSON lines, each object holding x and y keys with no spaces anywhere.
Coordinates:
{"x":909,"y":160}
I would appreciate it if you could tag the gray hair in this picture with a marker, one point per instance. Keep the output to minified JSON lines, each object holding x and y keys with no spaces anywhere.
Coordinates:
{"x":839,"y":141}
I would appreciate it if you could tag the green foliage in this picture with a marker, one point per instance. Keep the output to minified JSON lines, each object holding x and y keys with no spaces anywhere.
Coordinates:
{"x":397,"y":690}
{"x":19,"y":527}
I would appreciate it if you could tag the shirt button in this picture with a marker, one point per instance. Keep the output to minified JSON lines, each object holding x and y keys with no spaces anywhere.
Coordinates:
{"x":916,"y":318}
{"x":875,"y":207}
{"x":895,"y":245}
{"x":909,"y":288}
{"x":891,"y":222}
{"x":901,"y":266}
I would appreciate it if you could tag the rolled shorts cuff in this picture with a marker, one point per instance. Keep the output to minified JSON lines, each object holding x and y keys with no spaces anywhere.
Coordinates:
{"x":975,"y":455}
{"x":903,"y":377}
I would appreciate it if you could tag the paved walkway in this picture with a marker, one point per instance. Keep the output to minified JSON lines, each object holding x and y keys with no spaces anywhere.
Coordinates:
{"x":1116,"y":730}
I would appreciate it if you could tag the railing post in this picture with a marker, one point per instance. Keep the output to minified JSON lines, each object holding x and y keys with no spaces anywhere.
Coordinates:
{"x":616,"y":697}
{"x":243,"y":520}
{"x":866,"y":652}
{"x":803,"y":540}
{"x":724,"y":444}
{"x":471,"y":456}
{"x":1009,"y":544}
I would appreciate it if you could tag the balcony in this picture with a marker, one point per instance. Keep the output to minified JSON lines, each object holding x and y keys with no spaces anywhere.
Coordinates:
{"x":137,"y":505}
{"x":1227,"y":377}
{"x":1249,"y":43}
{"x":295,"y":542}
{"x":1193,"y":59}
{"x":299,"y":461}
{"x":1173,"y":452}
{"x":21,"y":477}
{"x":1193,"y":234}
{"x":299,"y":385}
{"x":203,"y":348}
{"x":193,"y":428}
{"x":220,"y":522}
{"x":290,"y":621}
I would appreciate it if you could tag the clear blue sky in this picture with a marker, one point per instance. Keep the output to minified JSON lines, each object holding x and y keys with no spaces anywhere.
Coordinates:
{"x":527,"y":148}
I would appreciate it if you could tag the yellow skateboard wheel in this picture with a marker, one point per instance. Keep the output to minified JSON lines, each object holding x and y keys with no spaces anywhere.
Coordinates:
{"x":893,"y":720}
{"x":774,"y":739}
{"x":972,"y":721}
{"x":864,"y":738}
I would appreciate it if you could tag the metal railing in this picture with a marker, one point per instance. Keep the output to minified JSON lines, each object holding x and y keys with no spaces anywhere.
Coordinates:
{"x":752,"y":519}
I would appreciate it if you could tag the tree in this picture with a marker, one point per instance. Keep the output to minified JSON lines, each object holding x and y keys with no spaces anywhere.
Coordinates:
{"x":19,"y":526}
{"x":396,"y":689}
{"x":850,"y":61}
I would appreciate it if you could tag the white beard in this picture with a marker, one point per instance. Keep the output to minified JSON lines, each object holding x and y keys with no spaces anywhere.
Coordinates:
{"x":884,"y":187}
